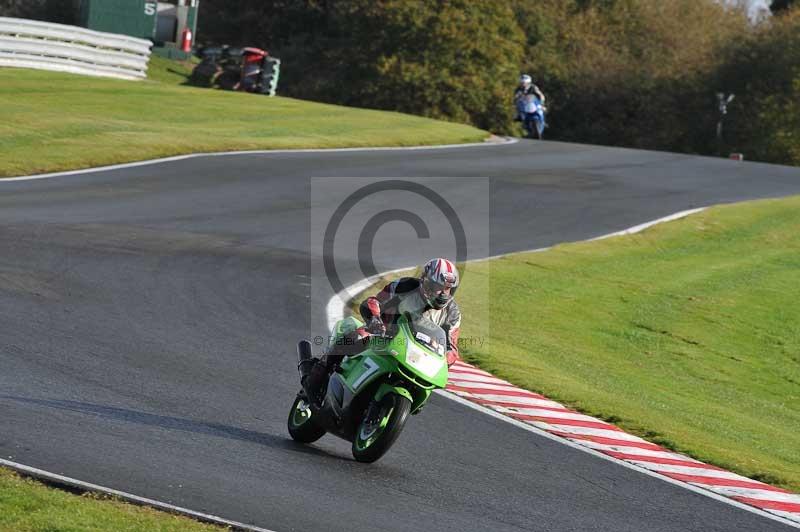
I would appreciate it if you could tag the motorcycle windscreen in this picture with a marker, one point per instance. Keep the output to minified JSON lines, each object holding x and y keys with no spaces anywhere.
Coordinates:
{"x":425,"y":351}
{"x":429,"y":334}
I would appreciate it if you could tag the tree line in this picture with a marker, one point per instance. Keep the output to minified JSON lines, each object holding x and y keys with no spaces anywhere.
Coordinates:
{"x":60,"y":11}
{"x":636,"y":73}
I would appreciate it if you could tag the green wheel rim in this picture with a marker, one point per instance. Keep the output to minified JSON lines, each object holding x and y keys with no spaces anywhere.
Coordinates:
{"x":369,"y":434}
{"x":301,"y":414}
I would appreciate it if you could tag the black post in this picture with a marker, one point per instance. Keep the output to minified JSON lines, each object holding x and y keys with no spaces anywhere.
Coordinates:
{"x":722,"y":105}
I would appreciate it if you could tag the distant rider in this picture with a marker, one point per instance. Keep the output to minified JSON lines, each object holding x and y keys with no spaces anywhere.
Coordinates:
{"x":430,"y":295}
{"x":526,"y":88}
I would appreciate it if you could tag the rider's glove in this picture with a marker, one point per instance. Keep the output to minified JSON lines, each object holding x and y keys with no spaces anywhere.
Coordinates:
{"x":376,"y":326}
{"x":452,"y":357}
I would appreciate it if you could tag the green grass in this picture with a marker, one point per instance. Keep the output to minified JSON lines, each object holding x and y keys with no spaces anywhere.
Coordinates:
{"x":165,"y":70}
{"x":53,"y":121}
{"x":29,"y":506}
{"x":687,"y":334}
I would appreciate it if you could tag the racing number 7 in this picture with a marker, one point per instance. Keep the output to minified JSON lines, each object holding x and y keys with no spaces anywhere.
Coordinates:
{"x":370,"y":367}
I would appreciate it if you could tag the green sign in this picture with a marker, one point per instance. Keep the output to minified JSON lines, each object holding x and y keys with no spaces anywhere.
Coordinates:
{"x":136,"y":18}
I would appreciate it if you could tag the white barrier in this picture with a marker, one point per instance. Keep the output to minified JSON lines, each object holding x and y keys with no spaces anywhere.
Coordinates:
{"x":33,"y":44}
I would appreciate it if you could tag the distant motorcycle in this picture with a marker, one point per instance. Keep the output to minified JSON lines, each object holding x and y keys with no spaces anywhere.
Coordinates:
{"x":532,"y":114}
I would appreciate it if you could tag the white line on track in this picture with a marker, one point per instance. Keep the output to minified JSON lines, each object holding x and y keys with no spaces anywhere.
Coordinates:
{"x":504,"y":142}
{"x":335,"y":311}
{"x":135,"y":499}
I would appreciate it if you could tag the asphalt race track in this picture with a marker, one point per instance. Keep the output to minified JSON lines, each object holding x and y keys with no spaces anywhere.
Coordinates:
{"x":148,"y":318}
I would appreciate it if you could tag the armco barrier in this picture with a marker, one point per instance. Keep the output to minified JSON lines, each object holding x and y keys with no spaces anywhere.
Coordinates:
{"x":33,"y":44}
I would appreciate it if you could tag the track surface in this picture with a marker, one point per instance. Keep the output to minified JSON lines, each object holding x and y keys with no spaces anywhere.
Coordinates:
{"x":148,"y":320}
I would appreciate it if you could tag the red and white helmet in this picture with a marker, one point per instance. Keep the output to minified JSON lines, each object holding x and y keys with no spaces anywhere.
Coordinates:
{"x":439,"y":282}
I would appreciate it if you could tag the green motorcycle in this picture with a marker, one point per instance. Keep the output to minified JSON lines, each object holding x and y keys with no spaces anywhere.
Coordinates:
{"x":370,"y":395}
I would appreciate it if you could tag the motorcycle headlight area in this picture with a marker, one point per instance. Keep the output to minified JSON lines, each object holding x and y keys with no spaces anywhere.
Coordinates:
{"x":422,"y":361}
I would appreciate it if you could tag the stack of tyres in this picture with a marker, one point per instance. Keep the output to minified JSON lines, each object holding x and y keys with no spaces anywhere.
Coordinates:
{"x":270,"y":72}
{"x":243,"y":69}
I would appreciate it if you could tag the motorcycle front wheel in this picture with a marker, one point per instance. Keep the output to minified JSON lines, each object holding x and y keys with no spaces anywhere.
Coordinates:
{"x":301,"y":426}
{"x":377,"y":432}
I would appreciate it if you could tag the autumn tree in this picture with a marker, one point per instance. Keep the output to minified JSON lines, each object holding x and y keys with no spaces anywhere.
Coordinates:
{"x":764,"y":72}
{"x":630,"y":72}
{"x":448,"y":59}
{"x":61,"y":11}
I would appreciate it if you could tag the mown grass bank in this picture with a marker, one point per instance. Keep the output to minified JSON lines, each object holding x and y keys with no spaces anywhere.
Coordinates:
{"x":53,"y":121}
{"x":687,"y":334}
{"x":29,"y":506}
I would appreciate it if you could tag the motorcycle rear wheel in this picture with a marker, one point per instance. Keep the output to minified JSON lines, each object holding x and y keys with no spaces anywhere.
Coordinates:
{"x":300,"y":424}
{"x":375,"y":436}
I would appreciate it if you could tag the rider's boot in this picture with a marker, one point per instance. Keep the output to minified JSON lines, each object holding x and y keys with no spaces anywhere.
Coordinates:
{"x":313,"y":371}
{"x":314,"y":379}
{"x":316,"y":375}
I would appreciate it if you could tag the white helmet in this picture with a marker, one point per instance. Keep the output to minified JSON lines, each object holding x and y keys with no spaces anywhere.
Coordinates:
{"x":525,"y":79}
{"x":438,"y":275}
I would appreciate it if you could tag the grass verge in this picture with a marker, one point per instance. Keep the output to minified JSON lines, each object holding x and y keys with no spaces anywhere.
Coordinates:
{"x":54,"y":121}
{"x":687,"y":334}
{"x":29,"y":506}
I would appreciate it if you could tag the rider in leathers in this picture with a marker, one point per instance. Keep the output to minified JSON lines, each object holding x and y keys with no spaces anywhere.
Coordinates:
{"x":430,"y":295}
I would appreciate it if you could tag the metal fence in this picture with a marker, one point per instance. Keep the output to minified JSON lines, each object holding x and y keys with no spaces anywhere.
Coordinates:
{"x":42,"y":45}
